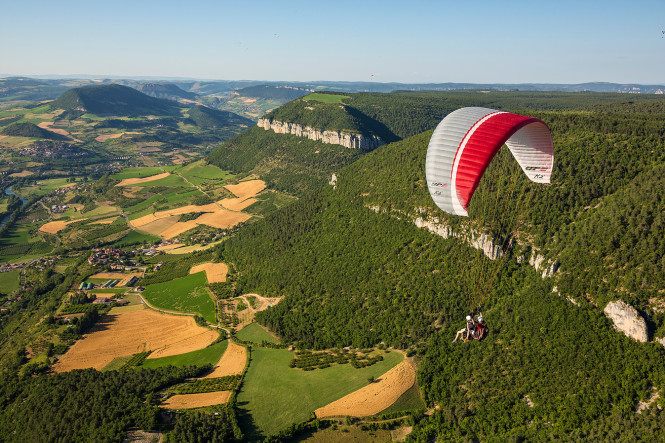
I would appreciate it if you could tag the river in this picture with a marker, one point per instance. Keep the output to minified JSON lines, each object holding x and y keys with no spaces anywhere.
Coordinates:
{"x":8,"y":191}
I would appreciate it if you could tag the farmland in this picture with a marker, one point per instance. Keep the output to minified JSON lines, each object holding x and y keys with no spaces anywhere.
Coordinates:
{"x":187,"y":294}
{"x":131,"y":332}
{"x":277,"y":395}
{"x":9,"y":282}
{"x":202,"y":357}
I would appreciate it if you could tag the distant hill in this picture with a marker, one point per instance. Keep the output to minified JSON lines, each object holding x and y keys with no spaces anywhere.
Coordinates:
{"x":268,"y":92}
{"x":26,"y":129}
{"x":167,"y":91}
{"x":207,"y":118}
{"x":23,"y":88}
{"x":114,"y":99}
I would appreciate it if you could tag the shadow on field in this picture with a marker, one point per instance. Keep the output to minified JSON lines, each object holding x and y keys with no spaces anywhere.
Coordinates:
{"x":246,"y":422}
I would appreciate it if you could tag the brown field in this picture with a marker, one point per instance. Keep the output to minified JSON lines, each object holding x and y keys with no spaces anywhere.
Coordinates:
{"x":104,"y":137}
{"x":136,"y":181}
{"x":168,"y":247}
{"x":45,"y":125}
{"x":117,"y":276}
{"x":56,"y":226}
{"x":187,"y":401}
{"x":247,"y":189}
{"x":157,"y":226}
{"x":178,"y":229}
{"x":232,"y":362}
{"x":222,"y":219}
{"x":125,"y":334}
{"x":215,"y":272}
{"x":106,"y":221}
{"x":375,"y":397}
{"x":185,"y":345}
{"x":20,"y":174}
{"x":212,"y":207}
{"x":237,"y":204}
{"x":3,"y":136}
{"x":193,"y":248}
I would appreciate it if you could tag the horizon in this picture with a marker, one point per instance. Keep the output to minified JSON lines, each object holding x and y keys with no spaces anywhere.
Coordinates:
{"x":569,"y":43}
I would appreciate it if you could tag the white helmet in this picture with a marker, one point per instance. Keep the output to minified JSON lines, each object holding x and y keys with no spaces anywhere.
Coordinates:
{"x":480,"y":318}
{"x":468,"y":317}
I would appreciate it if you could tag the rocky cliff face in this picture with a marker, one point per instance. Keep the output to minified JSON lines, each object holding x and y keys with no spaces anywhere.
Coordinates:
{"x":349,"y":140}
{"x":627,"y":320}
{"x":477,"y":240}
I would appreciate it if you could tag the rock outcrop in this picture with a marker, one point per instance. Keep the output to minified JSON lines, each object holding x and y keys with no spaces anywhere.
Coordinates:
{"x":346,"y":139}
{"x":627,"y":320}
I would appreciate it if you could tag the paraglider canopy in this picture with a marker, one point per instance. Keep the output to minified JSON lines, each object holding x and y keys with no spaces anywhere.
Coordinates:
{"x":465,"y":142}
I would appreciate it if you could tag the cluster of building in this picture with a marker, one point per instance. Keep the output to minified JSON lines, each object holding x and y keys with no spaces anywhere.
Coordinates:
{"x":104,"y":256}
{"x":58,"y":209}
{"x":45,"y":149}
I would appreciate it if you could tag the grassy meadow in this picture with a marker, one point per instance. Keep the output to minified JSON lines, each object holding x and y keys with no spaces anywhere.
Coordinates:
{"x":273,"y":395}
{"x":187,"y":294}
{"x":202,"y":357}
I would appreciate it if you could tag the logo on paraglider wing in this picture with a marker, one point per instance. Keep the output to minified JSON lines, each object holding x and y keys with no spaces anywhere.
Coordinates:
{"x":440,"y":185}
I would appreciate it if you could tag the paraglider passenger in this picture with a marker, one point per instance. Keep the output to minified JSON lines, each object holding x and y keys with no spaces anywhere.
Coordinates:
{"x":470,"y":326}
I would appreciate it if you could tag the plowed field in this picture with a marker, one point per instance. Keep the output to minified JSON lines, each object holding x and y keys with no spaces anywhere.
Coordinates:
{"x":136,"y":181}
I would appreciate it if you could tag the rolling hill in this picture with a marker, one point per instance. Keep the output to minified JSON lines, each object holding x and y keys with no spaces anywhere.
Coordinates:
{"x":112,"y":99}
{"x":26,"y":129}
{"x":165,"y":90}
{"x":208,"y":118}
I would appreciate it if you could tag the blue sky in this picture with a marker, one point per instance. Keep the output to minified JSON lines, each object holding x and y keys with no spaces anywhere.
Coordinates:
{"x":415,"y":41}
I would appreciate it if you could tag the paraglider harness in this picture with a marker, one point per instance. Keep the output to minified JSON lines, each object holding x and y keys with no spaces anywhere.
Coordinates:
{"x":479,"y":331}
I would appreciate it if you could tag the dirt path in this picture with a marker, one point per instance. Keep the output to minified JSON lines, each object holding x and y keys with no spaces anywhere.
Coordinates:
{"x":375,"y":397}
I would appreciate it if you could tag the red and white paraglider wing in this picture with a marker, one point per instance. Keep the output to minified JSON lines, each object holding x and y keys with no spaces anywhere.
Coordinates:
{"x":464,"y":144}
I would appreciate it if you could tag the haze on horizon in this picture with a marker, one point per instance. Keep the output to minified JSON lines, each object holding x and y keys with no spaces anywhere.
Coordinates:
{"x":419,"y":42}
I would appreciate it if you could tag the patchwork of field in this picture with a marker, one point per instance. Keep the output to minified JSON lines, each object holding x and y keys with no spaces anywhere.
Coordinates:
{"x":215,"y":272}
{"x":187,"y":401}
{"x":207,"y":356}
{"x":276,"y":395}
{"x":375,"y":397}
{"x":165,"y":223}
{"x":56,"y":226}
{"x":131,"y":332}
{"x":136,"y":181}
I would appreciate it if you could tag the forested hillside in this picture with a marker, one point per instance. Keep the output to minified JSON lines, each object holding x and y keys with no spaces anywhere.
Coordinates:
{"x":354,"y":276}
{"x":114,"y":99}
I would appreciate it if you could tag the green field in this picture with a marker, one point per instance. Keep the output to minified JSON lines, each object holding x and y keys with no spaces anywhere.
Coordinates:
{"x":254,"y":333}
{"x":134,"y":237}
{"x":325,"y":98}
{"x":9,"y":281}
{"x":275,"y":395}
{"x":202,"y":357}
{"x":170,"y":181}
{"x":187,"y":294}
{"x":137,"y":173}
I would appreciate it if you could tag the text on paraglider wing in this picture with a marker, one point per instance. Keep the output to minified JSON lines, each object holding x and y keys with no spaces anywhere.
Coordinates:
{"x":536,"y":176}
{"x":442,"y":185}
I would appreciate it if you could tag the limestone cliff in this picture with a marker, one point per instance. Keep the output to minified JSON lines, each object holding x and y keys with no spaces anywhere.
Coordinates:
{"x":346,"y":139}
{"x":627,"y":320}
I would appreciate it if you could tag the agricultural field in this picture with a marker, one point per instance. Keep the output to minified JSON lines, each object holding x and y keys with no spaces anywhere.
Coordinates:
{"x":275,"y":395}
{"x":207,"y":356}
{"x":9,"y":281}
{"x":120,"y":335}
{"x":232,"y":362}
{"x":187,"y":294}
{"x":325,"y":98}
{"x":254,"y":333}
